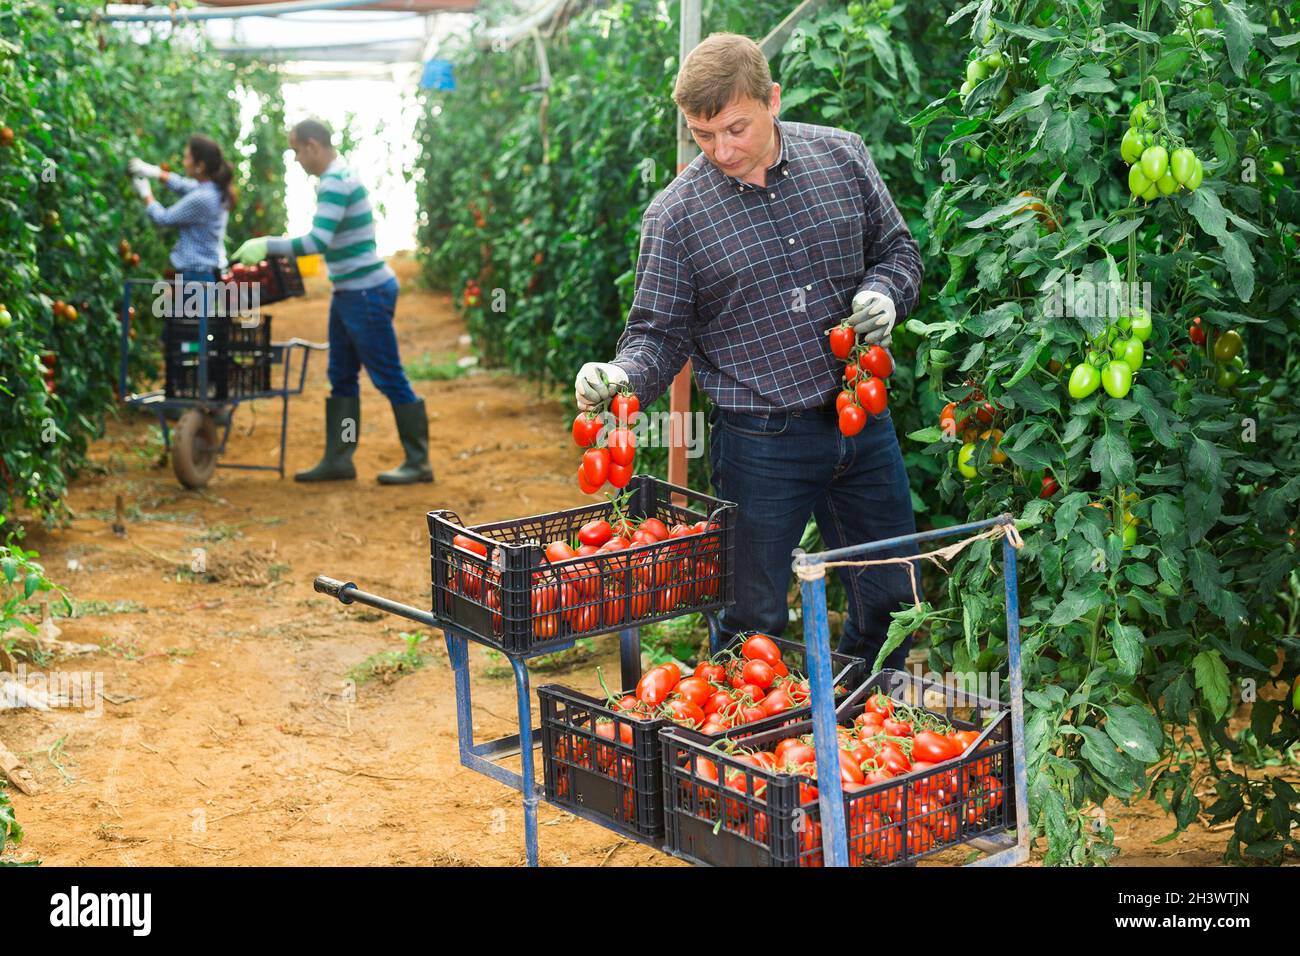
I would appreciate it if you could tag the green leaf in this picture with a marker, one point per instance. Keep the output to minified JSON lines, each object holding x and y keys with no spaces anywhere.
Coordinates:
{"x":1127,"y":641}
{"x":1205,"y":208}
{"x":1139,"y":574}
{"x":1156,"y":416}
{"x":1113,"y":459}
{"x":1023,"y":103}
{"x":1116,"y":771}
{"x":1212,"y":681}
{"x":1075,"y":604}
{"x":927,"y":435}
{"x":1236,"y":35}
{"x":1136,"y":731}
{"x":1241,"y":264}
{"x":1170,"y":63}
{"x":1204,"y":463}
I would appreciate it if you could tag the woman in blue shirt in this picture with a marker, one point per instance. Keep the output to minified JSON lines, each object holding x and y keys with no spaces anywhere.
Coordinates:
{"x":200,"y":215}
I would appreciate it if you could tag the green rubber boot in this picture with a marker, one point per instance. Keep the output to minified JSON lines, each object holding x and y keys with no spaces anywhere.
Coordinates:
{"x":413,"y":430}
{"x":342,"y":429}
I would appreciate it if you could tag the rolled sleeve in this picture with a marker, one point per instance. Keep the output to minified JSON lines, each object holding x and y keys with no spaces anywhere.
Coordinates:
{"x":892,"y":258}
{"x":657,"y":341}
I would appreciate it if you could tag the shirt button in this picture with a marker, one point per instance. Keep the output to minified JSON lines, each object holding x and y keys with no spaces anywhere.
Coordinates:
{"x":771,"y":195}
{"x":785,"y":172}
{"x":792,"y":242}
{"x":807,"y":288}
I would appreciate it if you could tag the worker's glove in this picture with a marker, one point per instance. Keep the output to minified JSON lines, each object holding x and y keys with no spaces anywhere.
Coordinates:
{"x":138,"y":167}
{"x":141,"y":187}
{"x":596,"y":384}
{"x":251,"y":252}
{"x":873,"y":317}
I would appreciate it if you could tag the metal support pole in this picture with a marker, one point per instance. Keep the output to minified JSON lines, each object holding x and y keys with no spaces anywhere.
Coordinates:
{"x":1017,"y":692}
{"x":526,"y":759}
{"x":817,"y":641}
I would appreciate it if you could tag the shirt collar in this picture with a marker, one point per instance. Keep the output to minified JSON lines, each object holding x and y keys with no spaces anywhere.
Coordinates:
{"x":336,"y":164}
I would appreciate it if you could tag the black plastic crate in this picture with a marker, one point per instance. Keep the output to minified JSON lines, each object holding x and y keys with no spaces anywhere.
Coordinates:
{"x":516,"y":600}
{"x":722,"y":811}
{"x":239,"y":357}
{"x":283,"y":280}
{"x":626,"y":793}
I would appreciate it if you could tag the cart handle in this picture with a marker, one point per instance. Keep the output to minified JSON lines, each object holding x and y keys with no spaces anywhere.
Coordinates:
{"x":347,"y":593}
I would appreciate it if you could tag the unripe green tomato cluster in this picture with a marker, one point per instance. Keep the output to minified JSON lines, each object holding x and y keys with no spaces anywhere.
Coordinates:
{"x":1114,"y":358}
{"x":1230,"y":359}
{"x":1154,"y":171}
{"x":978,"y":70}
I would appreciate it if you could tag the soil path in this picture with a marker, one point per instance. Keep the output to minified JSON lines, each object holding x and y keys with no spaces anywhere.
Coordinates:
{"x":233,"y":740}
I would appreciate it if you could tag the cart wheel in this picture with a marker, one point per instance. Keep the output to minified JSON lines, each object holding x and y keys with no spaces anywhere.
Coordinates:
{"x":194,"y":448}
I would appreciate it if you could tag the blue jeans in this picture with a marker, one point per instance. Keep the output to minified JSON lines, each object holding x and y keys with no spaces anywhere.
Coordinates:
{"x":361,"y":333}
{"x":783,"y":467}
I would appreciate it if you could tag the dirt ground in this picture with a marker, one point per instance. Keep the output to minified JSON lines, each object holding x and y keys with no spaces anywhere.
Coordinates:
{"x":227,"y":736}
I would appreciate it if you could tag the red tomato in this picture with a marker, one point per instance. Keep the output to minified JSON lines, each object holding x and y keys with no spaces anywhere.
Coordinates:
{"x":776,"y":702}
{"x":875,"y":399}
{"x":584,"y":485}
{"x":919,"y":838}
{"x":934,"y":748}
{"x":586,"y":429}
{"x":893,"y":758}
{"x":655,"y":685}
{"x":759,"y":673}
{"x":844,"y":398}
{"x":559,"y":551}
{"x":624,"y":405}
{"x":760,"y":647}
{"x":713,"y":673}
{"x":619,"y":475}
{"x":655,"y":527}
{"x":469,"y":544}
{"x":879,"y":703}
{"x":842,"y":340}
{"x":595,"y":466}
{"x":685,"y":712}
{"x":717,"y":702}
{"x":897,"y":728}
{"x":852,"y":420}
{"x":850,"y":771}
{"x":595,"y":533}
{"x":876,"y":361}
{"x":622,"y":446}
{"x":851,"y":372}
{"x":695,"y":689}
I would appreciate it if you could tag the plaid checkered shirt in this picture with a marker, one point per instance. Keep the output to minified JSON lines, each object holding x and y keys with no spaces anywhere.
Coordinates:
{"x":744,"y":280}
{"x":200,"y":218}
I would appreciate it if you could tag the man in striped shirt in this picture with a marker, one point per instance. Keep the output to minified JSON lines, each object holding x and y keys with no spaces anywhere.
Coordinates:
{"x":777,"y":232}
{"x":361,"y":313}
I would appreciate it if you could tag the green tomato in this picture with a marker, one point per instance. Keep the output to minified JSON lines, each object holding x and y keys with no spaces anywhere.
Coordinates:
{"x":975,"y":71}
{"x":1276,"y":168}
{"x":1155,"y":160}
{"x":1095,"y":359}
{"x":964,"y":461}
{"x":1138,"y":324}
{"x":1137,"y":180}
{"x":1117,"y":378}
{"x":1131,"y":353}
{"x":1083,"y":381}
{"x":987,"y":36}
{"x":995,"y":60}
{"x":1151,"y":193}
{"x":1166,"y":184}
{"x":1181,"y":163}
{"x":1130,"y":536}
{"x":1295,"y":694}
{"x":1227,"y":346}
{"x":966,"y":87}
{"x":6,"y":319}
{"x":1141,"y":115}
{"x":974,"y":151}
{"x":1194,"y":179}
{"x":1131,"y":146}
{"x":1203,"y":18}
{"x":1227,"y":377}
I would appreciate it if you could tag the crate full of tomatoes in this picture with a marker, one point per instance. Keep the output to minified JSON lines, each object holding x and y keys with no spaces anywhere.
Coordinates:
{"x":913,"y":781}
{"x":602,"y":757}
{"x":532,"y":584}
{"x":277,"y":278}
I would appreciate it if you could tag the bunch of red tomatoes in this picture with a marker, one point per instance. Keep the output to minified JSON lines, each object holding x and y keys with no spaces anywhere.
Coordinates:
{"x":864,"y":379}
{"x":613,"y":461}
{"x":887,"y":740}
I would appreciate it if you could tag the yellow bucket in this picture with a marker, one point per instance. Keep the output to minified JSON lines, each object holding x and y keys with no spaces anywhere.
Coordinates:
{"x":308,"y":265}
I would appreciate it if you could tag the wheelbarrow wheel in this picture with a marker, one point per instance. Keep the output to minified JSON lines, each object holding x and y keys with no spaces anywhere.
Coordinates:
{"x":194,"y":448}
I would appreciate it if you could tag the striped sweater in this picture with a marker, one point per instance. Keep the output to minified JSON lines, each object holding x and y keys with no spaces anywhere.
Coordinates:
{"x":343,"y":229}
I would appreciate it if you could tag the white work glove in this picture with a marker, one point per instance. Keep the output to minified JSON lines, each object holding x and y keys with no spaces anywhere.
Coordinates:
{"x":141,"y":187}
{"x":138,"y":167}
{"x":873,"y":317}
{"x":596,"y":383}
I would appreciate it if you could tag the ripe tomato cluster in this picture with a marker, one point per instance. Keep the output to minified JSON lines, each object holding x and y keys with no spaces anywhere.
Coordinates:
{"x":471,"y":295}
{"x":887,"y":740}
{"x":1229,"y":353}
{"x":63,"y":310}
{"x":864,"y":378}
{"x":733,"y":688}
{"x":129,"y":258}
{"x":1113,"y":358}
{"x":613,"y":461}
{"x":975,"y":427}
{"x":1154,"y":170}
{"x":571,"y":595}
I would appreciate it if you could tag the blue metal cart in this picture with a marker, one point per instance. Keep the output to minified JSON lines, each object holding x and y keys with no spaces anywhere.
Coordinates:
{"x":485,"y":757}
{"x":196,"y":447}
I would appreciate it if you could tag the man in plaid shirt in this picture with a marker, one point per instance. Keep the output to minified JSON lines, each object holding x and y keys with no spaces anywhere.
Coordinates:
{"x":777,"y":233}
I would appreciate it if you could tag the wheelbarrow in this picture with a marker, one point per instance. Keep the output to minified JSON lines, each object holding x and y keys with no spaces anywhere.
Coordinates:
{"x":214,"y":363}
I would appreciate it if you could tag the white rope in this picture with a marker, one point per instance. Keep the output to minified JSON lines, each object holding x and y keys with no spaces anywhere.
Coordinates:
{"x":813,"y":571}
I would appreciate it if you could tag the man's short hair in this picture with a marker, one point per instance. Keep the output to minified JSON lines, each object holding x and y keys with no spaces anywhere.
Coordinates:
{"x":721,"y":68}
{"x":313,"y":129}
